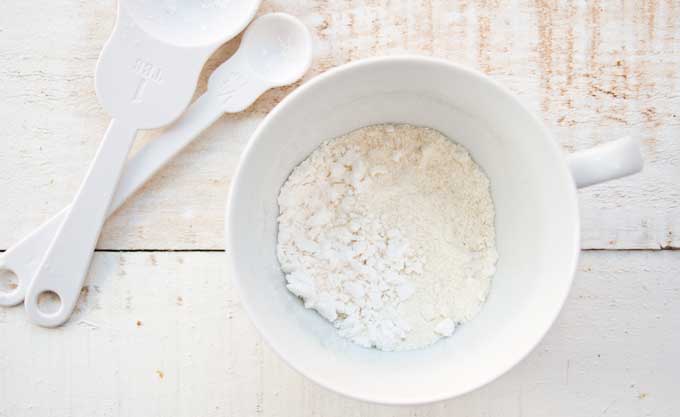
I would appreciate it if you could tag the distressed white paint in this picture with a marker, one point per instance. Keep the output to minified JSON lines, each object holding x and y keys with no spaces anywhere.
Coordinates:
{"x":592,"y":70}
{"x":613,"y":350}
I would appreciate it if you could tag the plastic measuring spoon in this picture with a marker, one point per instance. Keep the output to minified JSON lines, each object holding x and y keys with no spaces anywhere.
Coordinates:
{"x":145,"y":78}
{"x":288,"y":46}
{"x":288,"y":55}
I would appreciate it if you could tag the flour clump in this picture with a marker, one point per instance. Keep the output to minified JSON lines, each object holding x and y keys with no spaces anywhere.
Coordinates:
{"x":388,"y":233}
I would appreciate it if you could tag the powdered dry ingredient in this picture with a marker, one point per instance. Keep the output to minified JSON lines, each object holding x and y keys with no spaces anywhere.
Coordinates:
{"x":388,"y":232}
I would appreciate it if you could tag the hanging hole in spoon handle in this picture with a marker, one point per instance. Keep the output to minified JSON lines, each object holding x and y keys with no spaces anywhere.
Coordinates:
{"x":9,"y":280}
{"x":49,"y":303}
{"x":65,"y":264}
{"x":47,"y":307}
{"x":22,"y":260}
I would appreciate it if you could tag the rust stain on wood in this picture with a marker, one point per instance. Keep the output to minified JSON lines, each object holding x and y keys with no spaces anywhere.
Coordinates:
{"x":321,"y":8}
{"x":453,"y":29}
{"x":82,"y":299}
{"x":671,"y":23}
{"x":650,"y":144}
{"x":485,"y":15}
{"x":650,"y":12}
{"x":645,"y":86}
{"x":624,"y":69}
{"x":376,"y":33}
{"x":649,"y":114}
{"x":401,"y":26}
{"x":617,"y":119}
{"x":353,"y":50}
{"x":405,"y":39}
{"x":570,"y":48}
{"x":617,"y":75}
{"x":567,"y":70}
{"x":610,"y":92}
{"x":428,"y":29}
{"x":670,"y":36}
{"x":594,"y":66}
{"x":645,"y":48}
{"x":324,"y":30}
{"x":544,"y":12}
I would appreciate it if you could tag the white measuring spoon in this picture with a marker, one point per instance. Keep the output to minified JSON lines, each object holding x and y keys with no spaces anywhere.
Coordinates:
{"x":146,"y":75}
{"x":287,"y":44}
{"x":288,"y":55}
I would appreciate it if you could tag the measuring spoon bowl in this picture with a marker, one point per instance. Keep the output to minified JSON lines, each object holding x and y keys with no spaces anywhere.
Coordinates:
{"x":147,"y":72}
{"x":276,"y":50}
{"x":191,"y":23}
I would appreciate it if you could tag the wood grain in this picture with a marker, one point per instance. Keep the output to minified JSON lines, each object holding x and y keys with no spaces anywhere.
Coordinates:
{"x":164,"y":334}
{"x":592,"y":70}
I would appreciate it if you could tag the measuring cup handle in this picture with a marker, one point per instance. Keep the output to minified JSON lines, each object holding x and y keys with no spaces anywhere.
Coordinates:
{"x":615,"y":159}
{"x":63,"y":269}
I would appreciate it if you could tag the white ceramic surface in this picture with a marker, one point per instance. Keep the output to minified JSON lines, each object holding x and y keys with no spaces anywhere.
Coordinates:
{"x":537,"y":224}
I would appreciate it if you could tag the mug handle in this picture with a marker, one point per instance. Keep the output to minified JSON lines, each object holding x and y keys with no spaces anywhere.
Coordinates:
{"x":611,"y":160}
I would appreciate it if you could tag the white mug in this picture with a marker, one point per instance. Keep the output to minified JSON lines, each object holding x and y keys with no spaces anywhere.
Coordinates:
{"x":533,"y":187}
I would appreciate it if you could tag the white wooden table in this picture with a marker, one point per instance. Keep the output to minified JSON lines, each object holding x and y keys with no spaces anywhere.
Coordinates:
{"x":159,"y":331}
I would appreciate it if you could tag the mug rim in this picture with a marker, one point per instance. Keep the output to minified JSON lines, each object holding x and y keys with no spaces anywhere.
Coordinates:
{"x":247,"y":153}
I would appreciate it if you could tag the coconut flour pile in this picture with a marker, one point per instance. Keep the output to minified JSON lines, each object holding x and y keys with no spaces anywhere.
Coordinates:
{"x":388,"y":233}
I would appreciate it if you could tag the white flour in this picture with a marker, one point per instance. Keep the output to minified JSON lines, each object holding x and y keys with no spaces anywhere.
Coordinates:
{"x":388,"y":232}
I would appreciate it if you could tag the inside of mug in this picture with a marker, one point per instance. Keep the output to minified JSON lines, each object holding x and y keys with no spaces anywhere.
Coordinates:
{"x":536,"y":227}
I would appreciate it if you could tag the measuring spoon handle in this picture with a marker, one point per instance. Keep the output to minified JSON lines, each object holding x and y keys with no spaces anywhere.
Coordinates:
{"x":232,"y":88}
{"x":63,"y":269}
{"x":156,"y":154}
{"x":23,"y":258}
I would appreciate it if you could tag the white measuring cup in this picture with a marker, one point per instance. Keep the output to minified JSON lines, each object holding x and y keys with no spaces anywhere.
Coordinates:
{"x":146,"y":76}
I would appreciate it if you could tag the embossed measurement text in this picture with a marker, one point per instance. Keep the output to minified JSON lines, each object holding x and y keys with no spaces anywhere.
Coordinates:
{"x":148,"y":72}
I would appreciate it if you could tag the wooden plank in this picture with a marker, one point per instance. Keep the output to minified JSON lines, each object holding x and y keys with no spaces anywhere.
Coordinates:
{"x":592,"y":70}
{"x":163,"y":334}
